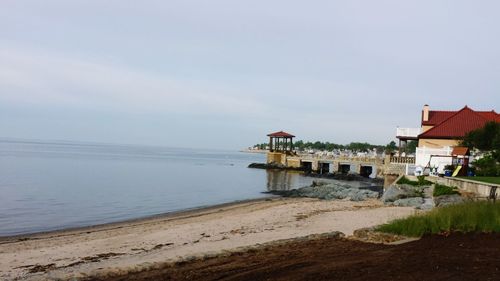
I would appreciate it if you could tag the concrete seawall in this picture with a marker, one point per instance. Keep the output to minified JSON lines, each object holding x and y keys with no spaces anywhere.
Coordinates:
{"x":481,"y":189}
{"x":366,"y":166}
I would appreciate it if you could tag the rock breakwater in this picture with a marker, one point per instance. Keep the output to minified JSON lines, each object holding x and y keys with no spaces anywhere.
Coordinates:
{"x":330,"y":191}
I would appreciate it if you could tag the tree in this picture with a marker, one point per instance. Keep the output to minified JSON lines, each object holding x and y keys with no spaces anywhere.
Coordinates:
{"x":391,"y":147}
{"x":411,"y":147}
{"x":486,"y":139}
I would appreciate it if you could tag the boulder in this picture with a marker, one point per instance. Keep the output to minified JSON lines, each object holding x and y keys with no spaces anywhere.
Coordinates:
{"x":445,"y":200}
{"x":409,"y":202}
{"x":428,"y":204}
{"x":396,"y":192}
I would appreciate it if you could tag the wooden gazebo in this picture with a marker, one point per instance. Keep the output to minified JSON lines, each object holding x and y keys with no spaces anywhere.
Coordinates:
{"x":281,"y":142}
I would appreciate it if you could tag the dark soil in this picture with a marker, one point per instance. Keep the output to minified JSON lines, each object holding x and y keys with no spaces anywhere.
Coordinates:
{"x":455,"y":257}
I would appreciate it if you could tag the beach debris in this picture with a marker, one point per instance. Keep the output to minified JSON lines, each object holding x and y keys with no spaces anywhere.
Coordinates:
{"x":42,"y":268}
{"x":368,"y":234}
{"x":159,"y":246}
{"x":89,"y":259}
{"x":34,"y":268}
{"x":139,"y":249}
{"x":99,"y":257}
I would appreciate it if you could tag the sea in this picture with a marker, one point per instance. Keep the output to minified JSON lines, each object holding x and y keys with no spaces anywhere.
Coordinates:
{"x":52,"y":185}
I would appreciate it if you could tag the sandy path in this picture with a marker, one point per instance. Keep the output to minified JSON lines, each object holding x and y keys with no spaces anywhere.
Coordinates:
{"x":125,"y":246}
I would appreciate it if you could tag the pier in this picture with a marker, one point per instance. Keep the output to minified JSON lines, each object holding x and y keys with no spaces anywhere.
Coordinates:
{"x":281,"y":154}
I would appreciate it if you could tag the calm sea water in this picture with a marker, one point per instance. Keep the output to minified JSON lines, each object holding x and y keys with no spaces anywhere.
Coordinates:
{"x":48,"y":186}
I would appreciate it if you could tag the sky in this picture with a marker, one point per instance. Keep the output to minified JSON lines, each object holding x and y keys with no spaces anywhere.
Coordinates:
{"x":224,"y":74}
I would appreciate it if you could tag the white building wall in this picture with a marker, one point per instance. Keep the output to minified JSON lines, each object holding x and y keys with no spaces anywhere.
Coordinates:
{"x":423,"y":155}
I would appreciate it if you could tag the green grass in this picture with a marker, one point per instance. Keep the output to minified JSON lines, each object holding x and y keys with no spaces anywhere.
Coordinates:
{"x":421,"y":181}
{"x":484,"y":179}
{"x":440,"y":189}
{"x":467,"y":217}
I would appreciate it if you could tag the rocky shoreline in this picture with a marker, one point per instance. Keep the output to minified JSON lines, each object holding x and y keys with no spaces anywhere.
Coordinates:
{"x":420,"y":197}
{"x":331,"y":191}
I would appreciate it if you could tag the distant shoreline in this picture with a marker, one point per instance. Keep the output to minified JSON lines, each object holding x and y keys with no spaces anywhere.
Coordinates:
{"x":260,"y":151}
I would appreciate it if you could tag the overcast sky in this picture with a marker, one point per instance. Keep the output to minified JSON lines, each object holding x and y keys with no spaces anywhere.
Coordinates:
{"x":223,"y":74}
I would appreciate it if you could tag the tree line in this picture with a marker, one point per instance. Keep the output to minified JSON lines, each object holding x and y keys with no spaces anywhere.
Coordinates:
{"x":353,"y":146}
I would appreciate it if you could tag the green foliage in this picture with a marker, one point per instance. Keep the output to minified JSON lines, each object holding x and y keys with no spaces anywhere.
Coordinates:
{"x":421,"y":181}
{"x":467,"y":217}
{"x":412,"y":146}
{"x":486,"y":139}
{"x":440,"y":189}
{"x":487,"y":166}
{"x":391,"y":147}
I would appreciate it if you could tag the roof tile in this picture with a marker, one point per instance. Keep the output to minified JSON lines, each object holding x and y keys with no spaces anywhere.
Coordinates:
{"x":460,"y":123}
{"x":281,"y":134}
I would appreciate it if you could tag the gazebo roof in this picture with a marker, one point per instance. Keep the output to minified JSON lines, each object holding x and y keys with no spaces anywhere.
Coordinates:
{"x":281,"y":134}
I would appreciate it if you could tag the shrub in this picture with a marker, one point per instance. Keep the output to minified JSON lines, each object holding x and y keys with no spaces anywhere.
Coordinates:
{"x":487,"y":166}
{"x":440,"y":189}
{"x":420,"y":182}
{"x":467,"y":217}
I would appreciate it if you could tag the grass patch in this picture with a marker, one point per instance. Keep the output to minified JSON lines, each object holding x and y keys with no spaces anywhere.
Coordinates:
{"x":495,"y":180}
{"x":440,"y":189}
{"x":420,"y":181}
{"x":467,"y":217}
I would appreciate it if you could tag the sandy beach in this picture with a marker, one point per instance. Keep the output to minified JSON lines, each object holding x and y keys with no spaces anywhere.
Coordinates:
{"x":138,"y":244}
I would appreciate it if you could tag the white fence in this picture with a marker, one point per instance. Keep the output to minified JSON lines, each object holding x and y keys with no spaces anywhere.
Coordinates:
{"x":440,"y":157}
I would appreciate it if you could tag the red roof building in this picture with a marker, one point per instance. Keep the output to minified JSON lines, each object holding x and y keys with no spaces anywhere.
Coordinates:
{"x":439,"y":126}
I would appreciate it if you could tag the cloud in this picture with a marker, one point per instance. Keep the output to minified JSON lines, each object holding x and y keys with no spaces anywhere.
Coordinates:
{"x":58,"y":80}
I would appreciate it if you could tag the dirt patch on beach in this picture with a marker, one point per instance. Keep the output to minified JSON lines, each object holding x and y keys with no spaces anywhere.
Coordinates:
{"x":455,"y":257}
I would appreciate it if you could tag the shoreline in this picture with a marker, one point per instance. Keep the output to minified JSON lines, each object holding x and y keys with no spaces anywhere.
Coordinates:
{"x":180,"y":214}
{"x":142,"y":243}
{"x":171,"y":214}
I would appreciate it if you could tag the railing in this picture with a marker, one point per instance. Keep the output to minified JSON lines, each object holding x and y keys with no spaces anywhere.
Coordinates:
{"x":408,"y":132}
{"x":363,"y":159}
{"x":402,"y":160}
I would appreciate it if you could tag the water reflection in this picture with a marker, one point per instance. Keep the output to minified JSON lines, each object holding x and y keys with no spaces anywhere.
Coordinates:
{"x":279,"y":180}
{"x":285,"y":180}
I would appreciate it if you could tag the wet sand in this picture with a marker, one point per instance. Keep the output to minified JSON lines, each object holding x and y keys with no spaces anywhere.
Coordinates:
{"x":120,"y":248}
